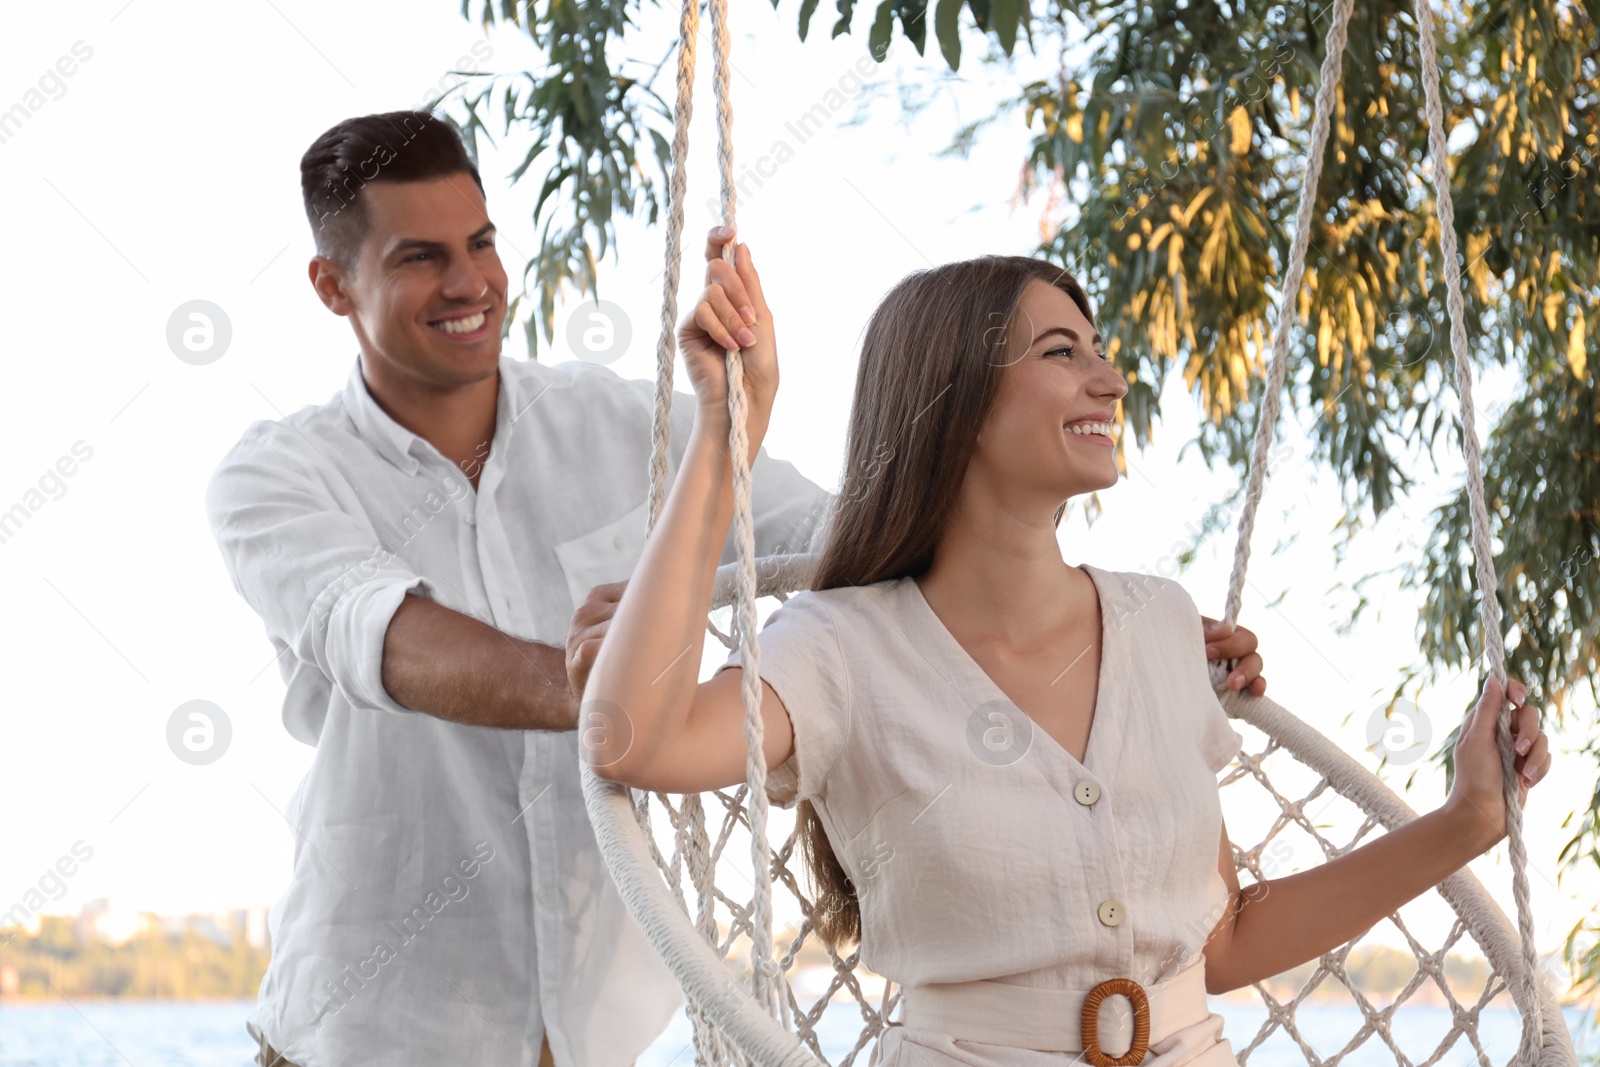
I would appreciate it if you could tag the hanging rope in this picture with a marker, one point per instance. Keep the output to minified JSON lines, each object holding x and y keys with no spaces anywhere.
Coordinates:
{"x":1531,"y":1045}
{"x":764,"y":976}
{"x":1332,"y":71}
{"x":693,"y":845}
{"x":1482,"y":548}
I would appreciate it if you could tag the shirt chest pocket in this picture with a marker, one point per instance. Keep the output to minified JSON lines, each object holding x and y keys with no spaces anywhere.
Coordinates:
{"x":605,"y":554}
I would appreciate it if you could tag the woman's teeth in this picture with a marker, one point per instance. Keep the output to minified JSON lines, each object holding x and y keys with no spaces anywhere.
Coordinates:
{"x":467,"y":325}
{"x":1091,"y":427}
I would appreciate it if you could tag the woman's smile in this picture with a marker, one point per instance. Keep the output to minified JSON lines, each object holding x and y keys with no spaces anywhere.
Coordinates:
{"x":1093,"y":431}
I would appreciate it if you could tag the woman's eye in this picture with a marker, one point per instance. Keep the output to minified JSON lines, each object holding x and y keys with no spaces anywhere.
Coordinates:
{"x":1065,"y":350}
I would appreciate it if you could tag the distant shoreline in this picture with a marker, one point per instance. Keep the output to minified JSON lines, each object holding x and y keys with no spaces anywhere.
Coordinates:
{"x":53,"y":1000}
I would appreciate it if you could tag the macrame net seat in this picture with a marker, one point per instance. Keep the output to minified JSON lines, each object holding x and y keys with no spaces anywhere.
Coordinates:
{"x":1290,"y":791}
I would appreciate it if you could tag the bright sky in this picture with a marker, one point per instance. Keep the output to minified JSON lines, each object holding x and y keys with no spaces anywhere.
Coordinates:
{"x":164,"y":169}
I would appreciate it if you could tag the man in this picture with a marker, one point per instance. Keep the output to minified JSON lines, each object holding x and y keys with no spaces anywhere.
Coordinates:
{"x":417,"y":548}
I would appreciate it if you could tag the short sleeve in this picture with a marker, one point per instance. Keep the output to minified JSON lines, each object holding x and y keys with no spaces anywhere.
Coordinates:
{"x":1220,"y":742}
{"x":802,"y":659}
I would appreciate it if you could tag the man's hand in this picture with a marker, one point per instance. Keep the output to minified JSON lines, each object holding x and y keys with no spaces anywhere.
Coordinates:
{"x":589,"y":625}
{"x":1236,"y":643}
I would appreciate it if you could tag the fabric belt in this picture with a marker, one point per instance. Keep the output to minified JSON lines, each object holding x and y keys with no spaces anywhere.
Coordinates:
{"x":1000,"y":1013}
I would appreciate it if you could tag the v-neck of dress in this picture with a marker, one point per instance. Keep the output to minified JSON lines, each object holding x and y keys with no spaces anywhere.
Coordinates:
{"x":954,"y":653}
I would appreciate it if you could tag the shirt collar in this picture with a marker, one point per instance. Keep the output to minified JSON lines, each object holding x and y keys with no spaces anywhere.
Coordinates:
{"x":508,"y":405}
{"x":399,"y":445}
{"x":391,"y":440}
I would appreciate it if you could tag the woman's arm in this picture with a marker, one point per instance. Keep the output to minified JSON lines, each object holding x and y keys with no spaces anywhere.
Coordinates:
{"x":1280,"y":923}
{"x":644,"y":719}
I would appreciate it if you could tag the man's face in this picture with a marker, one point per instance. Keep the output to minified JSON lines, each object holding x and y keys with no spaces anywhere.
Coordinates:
{"x":428,"y":294}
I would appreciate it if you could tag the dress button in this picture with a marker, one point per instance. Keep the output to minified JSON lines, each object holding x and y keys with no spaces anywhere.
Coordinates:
{"x":542,"y":895}
{"x":1112,"y":912}
{"x":616,"y":542}
{"x":1086,"y":792}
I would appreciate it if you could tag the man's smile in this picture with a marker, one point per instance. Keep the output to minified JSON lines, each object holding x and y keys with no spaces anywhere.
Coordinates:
{"x":463,"y":326}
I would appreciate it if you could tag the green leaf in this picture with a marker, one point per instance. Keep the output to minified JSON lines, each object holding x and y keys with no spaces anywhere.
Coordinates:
{"x":663,"y":149}
{"x":807,"y":9}
{"x":882,"y":28}
{"x":914,"y":21}
{"x":847,"y":10}
{"x":1007,"y":14}
{"x":947,"y":27}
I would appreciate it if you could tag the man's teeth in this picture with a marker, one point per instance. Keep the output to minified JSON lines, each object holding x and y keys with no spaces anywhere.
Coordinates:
{"x":1091,"y":427}
{"x":466,"y":325}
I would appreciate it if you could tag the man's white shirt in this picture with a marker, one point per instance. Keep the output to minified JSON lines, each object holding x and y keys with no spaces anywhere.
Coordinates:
{"x":448,"y":903}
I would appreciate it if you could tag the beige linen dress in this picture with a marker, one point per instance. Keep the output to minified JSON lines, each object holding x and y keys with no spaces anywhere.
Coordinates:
{"x":980,"y":849}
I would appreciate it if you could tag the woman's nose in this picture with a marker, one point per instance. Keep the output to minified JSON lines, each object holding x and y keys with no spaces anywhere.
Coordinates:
{"x":1110,"y":382}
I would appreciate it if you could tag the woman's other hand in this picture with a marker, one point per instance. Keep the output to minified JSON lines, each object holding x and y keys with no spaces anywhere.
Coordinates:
{"x":731,"y":313}
{"x":1477,"y":792}
{"x":1224,"y":642}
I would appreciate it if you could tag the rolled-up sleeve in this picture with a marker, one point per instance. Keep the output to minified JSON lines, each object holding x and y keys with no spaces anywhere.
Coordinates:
{"x":314,"y":571}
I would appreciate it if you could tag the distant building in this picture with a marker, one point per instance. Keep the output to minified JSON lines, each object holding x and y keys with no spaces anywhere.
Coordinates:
{"x":197,"y":923}
{"x":86,"y":926}
{"x":256,"y":927}
{"x":99,"y":921}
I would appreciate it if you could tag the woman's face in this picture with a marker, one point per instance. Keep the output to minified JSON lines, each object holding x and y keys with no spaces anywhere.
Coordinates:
{"x":1048,"y":436}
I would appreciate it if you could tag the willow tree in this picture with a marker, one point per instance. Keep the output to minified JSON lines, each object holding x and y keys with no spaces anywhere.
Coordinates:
{"x":1175,"y":132}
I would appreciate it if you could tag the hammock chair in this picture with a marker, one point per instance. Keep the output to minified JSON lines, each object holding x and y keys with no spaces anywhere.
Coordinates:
{"x":762,"y":1021}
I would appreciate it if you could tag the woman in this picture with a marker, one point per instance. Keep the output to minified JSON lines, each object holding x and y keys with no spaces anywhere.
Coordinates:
{"x":1005,"y":765}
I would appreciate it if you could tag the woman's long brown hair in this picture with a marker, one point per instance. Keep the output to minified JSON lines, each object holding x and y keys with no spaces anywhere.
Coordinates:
{"x":931,"y":365}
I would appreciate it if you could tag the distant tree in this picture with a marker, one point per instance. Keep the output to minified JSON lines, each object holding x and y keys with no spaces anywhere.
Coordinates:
{"x":57,"y":962}
{"x":1176,"y":147}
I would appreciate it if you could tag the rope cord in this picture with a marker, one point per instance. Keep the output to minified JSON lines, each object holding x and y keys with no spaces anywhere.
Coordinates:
{"x":1494,"y":649}
{"x":1332,"y":71}
{"x":765,"y":978}
{"x":1530,"y":1049}
{"x":693,"y":844}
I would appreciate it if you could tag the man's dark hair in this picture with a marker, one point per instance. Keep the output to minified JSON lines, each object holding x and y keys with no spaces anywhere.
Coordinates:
{"x":395,"y":146}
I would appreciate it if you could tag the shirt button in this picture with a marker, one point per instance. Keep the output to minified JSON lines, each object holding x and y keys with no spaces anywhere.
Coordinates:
{"x":543,"y":895}
{"x":616,"y":542}
{"x":1112,"y":912}
{"x":1086,"y":792}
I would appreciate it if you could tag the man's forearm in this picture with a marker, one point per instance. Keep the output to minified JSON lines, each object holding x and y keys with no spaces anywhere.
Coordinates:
{"x":452,"y":666}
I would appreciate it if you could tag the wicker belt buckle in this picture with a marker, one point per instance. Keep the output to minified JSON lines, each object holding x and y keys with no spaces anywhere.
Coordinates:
{"x":1090,"y":1024}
